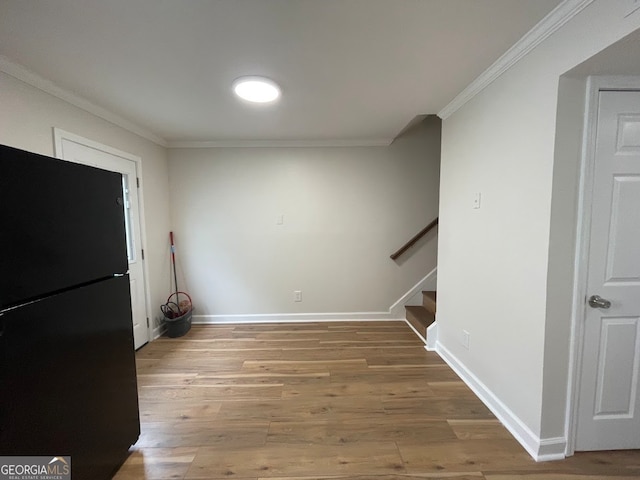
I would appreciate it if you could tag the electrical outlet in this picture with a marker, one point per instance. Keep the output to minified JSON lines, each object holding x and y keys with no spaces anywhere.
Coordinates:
{"x":465,"y":339}
{"x":297,"y":296}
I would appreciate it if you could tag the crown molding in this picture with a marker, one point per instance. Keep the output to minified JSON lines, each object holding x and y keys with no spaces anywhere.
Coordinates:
{"x":559,"y":16}
{"x":357,"y":142}
{"x":24,"y":75}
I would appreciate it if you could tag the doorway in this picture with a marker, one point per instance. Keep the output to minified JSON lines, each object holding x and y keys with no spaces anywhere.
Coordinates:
{"x":76,"y":149}
{"x":606,"y":408}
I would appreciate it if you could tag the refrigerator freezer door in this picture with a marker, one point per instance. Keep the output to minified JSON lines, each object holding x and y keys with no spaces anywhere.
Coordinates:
{"x":62,"y":225}
{"x":67,"y":370}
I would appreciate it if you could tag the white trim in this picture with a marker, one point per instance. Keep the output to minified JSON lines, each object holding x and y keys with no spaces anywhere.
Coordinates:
{"x":540,"y":449}
{"x":157,"y":332}
{"x":432,"y":337}
{"x":143,"y":241}
{"x":585,"y":194}
{"x":24,"y":75}
{"x":354,"y":142}
{"x":420,"y":336}
{"x":428,"y":282}
{"x":58,"y":136}
{"x":559,"y":16}
{"x":293,"y":318}
{"x":580,"y":264}
{"x":551,"y":449}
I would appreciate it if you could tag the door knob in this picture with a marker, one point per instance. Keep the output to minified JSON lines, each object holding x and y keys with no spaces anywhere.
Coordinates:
{"x":596,"y":301}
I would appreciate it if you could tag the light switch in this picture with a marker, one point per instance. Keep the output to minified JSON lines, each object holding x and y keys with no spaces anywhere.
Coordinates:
{"x":280,"y":220}
{"x":476,"y":200}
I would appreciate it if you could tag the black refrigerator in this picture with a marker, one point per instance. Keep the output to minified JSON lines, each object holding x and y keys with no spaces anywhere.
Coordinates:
{"x":67,"y":364}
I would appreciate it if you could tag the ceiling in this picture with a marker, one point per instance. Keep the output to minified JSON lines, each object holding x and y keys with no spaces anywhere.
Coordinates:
{"x":350,"y":70}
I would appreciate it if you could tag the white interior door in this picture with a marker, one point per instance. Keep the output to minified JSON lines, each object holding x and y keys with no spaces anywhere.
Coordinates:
{"x":75,"y":150}
{"x":609,"y":404}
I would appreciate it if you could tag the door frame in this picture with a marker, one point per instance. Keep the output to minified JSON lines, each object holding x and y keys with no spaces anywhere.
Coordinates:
{"x":58,"y":136}
{"x":595,"y":85}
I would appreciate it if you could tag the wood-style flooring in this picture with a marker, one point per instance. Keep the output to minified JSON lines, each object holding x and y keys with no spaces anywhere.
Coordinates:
{"x":349,"y":400}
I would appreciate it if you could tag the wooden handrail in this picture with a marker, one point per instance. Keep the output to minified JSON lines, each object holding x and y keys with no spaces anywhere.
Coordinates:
{"x":413,"y":241}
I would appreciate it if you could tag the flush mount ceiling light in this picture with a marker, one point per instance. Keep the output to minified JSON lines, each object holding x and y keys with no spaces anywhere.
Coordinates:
{"x":256,"y":89}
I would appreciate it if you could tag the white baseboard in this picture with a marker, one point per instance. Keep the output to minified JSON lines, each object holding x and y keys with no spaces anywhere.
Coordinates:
{"x":540,"y":449}
{"x":396,"y":311}
{"x":552,"y":449}
{"x":158,"y":331}
{"x":432,"y":337}
{"x":420,"y":336}
{"x":294,"y":317}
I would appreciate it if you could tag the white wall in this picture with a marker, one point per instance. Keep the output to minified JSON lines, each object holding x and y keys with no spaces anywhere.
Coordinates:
{"x":494,"y":276}
{"x":345,"y":211}
{"x":26,"y":121}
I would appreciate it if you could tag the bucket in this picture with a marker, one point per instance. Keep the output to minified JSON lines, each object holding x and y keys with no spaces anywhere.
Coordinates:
{"x":179,"y":326}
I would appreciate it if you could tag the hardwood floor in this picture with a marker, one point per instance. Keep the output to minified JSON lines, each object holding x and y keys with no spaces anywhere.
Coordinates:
{"x":325,"y":401}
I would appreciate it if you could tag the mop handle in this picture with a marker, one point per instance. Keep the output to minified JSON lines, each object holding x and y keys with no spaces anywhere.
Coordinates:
{"x":173,"y":260}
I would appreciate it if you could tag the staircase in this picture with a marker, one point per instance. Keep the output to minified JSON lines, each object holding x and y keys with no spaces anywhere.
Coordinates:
{"x":421,"y":317}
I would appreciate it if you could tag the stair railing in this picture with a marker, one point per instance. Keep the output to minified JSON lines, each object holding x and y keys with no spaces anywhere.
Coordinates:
{"x":414,"y":240}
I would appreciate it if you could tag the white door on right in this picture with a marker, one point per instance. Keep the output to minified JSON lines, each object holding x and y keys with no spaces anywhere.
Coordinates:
{"x":609,"y":404}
